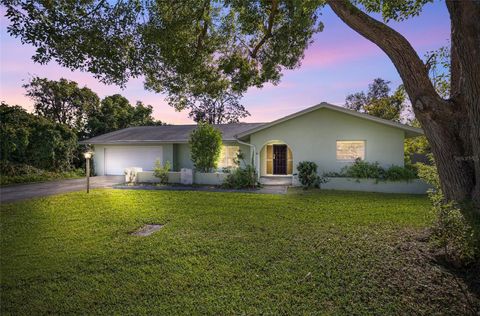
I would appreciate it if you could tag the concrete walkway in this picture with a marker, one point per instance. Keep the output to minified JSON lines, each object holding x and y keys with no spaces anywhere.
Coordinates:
{"x":19,"y":192}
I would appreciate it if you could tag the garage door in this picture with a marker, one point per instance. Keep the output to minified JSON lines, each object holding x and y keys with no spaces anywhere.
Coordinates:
{"x":117,"y":158}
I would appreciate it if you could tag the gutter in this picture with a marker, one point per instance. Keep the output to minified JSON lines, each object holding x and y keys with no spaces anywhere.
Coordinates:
{"x":254,"y":150}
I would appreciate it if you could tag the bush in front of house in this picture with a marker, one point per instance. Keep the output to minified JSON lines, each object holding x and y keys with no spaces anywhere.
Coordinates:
{"x":361,"y":169}
{"x":161,"y":171}
{"x":307,"y":174}
{"x":241,"y":178}
{"x":205,"y":145}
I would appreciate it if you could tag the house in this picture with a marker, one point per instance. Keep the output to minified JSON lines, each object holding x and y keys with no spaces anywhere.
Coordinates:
{"x":329,"y":135}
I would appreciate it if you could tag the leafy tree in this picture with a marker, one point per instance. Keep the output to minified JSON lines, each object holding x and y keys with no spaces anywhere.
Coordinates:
{"x":62,"y":101}
{"x":225,"y":108}
{"x":378,"y":101}
{"x":206,"y":146}
{"x":115,"y":112}
{"x":206,"y":47}
{"x":34,"y":140}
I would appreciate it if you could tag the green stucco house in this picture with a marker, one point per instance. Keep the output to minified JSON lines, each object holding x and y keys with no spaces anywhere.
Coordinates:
{"x":329,"y":135}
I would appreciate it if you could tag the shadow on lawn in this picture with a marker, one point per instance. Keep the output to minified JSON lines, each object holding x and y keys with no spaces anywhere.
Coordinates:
{"x":427,"y":262}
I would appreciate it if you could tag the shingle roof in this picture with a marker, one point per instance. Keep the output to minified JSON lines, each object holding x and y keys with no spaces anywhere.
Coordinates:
{"x":165,"y":134}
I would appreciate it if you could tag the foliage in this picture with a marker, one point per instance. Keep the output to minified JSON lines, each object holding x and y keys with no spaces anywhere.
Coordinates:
{"x":62,"y":101}
{"x":439,"y":67}
{"x":361,"y":169}
{"x":161,"y":171}
{"x":452,"y":232}
{"x":205,"y":146}
{"x":344,"y":241}
{"x":11,"y":173}
{"x":187,"y":47}
{"x":378,"y":101}
{"x":241,"y":178}
{"x":34,"y":140}
{"x":415,"y":145}
{"x":115,"y":112}
{"x":307,"y":174}
{"x":224,"y":108}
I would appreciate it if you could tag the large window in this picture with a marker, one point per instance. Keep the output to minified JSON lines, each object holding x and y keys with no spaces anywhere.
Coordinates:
{"x":227,"y":156}
{"x":348,"y":150}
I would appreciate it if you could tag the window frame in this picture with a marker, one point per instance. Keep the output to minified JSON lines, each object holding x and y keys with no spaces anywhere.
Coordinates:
{"x":351,"y":141}
{"x":224,"y":155}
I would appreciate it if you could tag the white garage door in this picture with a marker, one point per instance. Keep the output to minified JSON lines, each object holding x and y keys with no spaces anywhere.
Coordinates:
{"x":117,"y":158}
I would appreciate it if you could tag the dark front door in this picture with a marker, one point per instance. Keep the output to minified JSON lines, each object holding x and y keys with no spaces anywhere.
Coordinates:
{"x":279,"y":159}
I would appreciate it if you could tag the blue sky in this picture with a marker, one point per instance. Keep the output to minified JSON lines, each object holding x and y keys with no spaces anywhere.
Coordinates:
{"x":339,"y":62}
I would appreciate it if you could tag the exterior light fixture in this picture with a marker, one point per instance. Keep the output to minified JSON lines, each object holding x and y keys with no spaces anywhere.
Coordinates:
{"x":88,"y":155}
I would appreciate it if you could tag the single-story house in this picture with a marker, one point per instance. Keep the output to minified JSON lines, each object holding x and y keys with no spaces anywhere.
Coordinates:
{"x":329,"y":135}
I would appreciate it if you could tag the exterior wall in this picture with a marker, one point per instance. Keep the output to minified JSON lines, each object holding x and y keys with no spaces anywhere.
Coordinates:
{"x":313,"y":137}
{"x":99,"y":155}
{"x":177,"y":154}
{"x":371,"y":185}
{"x":214,"y":178}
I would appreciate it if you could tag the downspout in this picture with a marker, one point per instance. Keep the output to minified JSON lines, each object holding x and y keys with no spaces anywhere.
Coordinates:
{"x":253,"y":150}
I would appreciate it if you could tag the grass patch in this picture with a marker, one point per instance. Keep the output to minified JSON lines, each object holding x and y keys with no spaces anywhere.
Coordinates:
{"x":221,"y":253}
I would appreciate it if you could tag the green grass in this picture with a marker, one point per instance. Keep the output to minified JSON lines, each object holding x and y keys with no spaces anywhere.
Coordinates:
{"x":219,"y":253}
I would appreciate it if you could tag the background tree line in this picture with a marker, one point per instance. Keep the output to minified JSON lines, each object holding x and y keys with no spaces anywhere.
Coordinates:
{"x":64,"y":113}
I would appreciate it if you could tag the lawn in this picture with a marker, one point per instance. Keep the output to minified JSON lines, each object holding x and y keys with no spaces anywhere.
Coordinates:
{"x":221,"y":253}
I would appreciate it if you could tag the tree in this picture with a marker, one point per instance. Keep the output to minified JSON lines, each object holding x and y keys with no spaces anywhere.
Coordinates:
{"x":225,"y":108}
{"x":205,"y":46}
{"x":205,"y":145}
{"x":378,"y":101}
{"x":35,"y":140}
{"x":115,"y":112}
{"x":62,"y":101}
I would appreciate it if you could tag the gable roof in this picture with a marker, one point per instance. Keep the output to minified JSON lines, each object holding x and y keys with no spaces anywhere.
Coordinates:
{"x":409,"y":130}
{"x":165,"y":134}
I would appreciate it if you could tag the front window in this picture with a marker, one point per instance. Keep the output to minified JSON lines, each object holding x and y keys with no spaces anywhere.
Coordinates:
{"x":349,"y":150}
{"x":228,"y":156}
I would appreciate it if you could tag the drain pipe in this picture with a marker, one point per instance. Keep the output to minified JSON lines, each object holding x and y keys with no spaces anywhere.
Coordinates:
{"x":254,"y":150}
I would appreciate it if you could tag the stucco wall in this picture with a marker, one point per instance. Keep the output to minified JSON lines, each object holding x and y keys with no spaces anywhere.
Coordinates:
{"x":177,"y":154}
{"x":99,"y":155}
{"x":313,"y":137}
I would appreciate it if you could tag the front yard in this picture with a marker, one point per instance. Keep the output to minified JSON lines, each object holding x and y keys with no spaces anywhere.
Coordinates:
{"x":222,"y":253}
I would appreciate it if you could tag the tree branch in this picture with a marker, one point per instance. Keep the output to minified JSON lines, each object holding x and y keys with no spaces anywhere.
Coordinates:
{"x":203,"y":32}
{"x":268,"y":30}
{"x":410,"y":67}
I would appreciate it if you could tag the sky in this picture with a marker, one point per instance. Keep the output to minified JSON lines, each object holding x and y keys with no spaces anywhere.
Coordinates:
{"x":339,"y":62}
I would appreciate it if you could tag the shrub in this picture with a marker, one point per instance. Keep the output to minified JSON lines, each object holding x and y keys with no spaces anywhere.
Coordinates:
{"x":241,"y":178}
{"x":205,"y":144}
{"x":307,"y":174}
{"x":362,"y":169}
{"x":451,"y":231}
{"x":397,"y":173}
{"x":161,"y":171}
{"x":11,"y":173}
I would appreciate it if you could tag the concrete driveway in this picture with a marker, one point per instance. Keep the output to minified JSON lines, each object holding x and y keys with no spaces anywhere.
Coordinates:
{"x":26,"y":191}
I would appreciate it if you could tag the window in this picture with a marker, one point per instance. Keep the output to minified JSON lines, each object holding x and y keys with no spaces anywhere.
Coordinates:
{"x":228,"y":156}
{"x":350,"y":149}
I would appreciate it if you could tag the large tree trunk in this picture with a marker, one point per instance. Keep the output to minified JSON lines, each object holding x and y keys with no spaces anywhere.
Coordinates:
{"x":452,"y":126}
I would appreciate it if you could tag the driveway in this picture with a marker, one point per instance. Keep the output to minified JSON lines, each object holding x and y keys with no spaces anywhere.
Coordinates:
{"x":26,"y":191}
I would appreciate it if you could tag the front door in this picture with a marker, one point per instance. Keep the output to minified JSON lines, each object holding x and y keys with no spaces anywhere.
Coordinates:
{"x":279,"y":159}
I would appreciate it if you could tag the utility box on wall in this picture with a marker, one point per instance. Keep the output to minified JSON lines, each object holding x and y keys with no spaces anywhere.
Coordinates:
{"x":186,"y":176}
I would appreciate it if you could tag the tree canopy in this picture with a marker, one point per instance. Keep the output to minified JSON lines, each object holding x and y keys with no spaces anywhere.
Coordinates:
{"x":205,"y":147}
{"x":378,"y":101}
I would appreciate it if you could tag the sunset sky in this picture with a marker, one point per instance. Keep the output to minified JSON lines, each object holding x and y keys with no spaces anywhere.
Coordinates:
{"x":339,"y":62}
